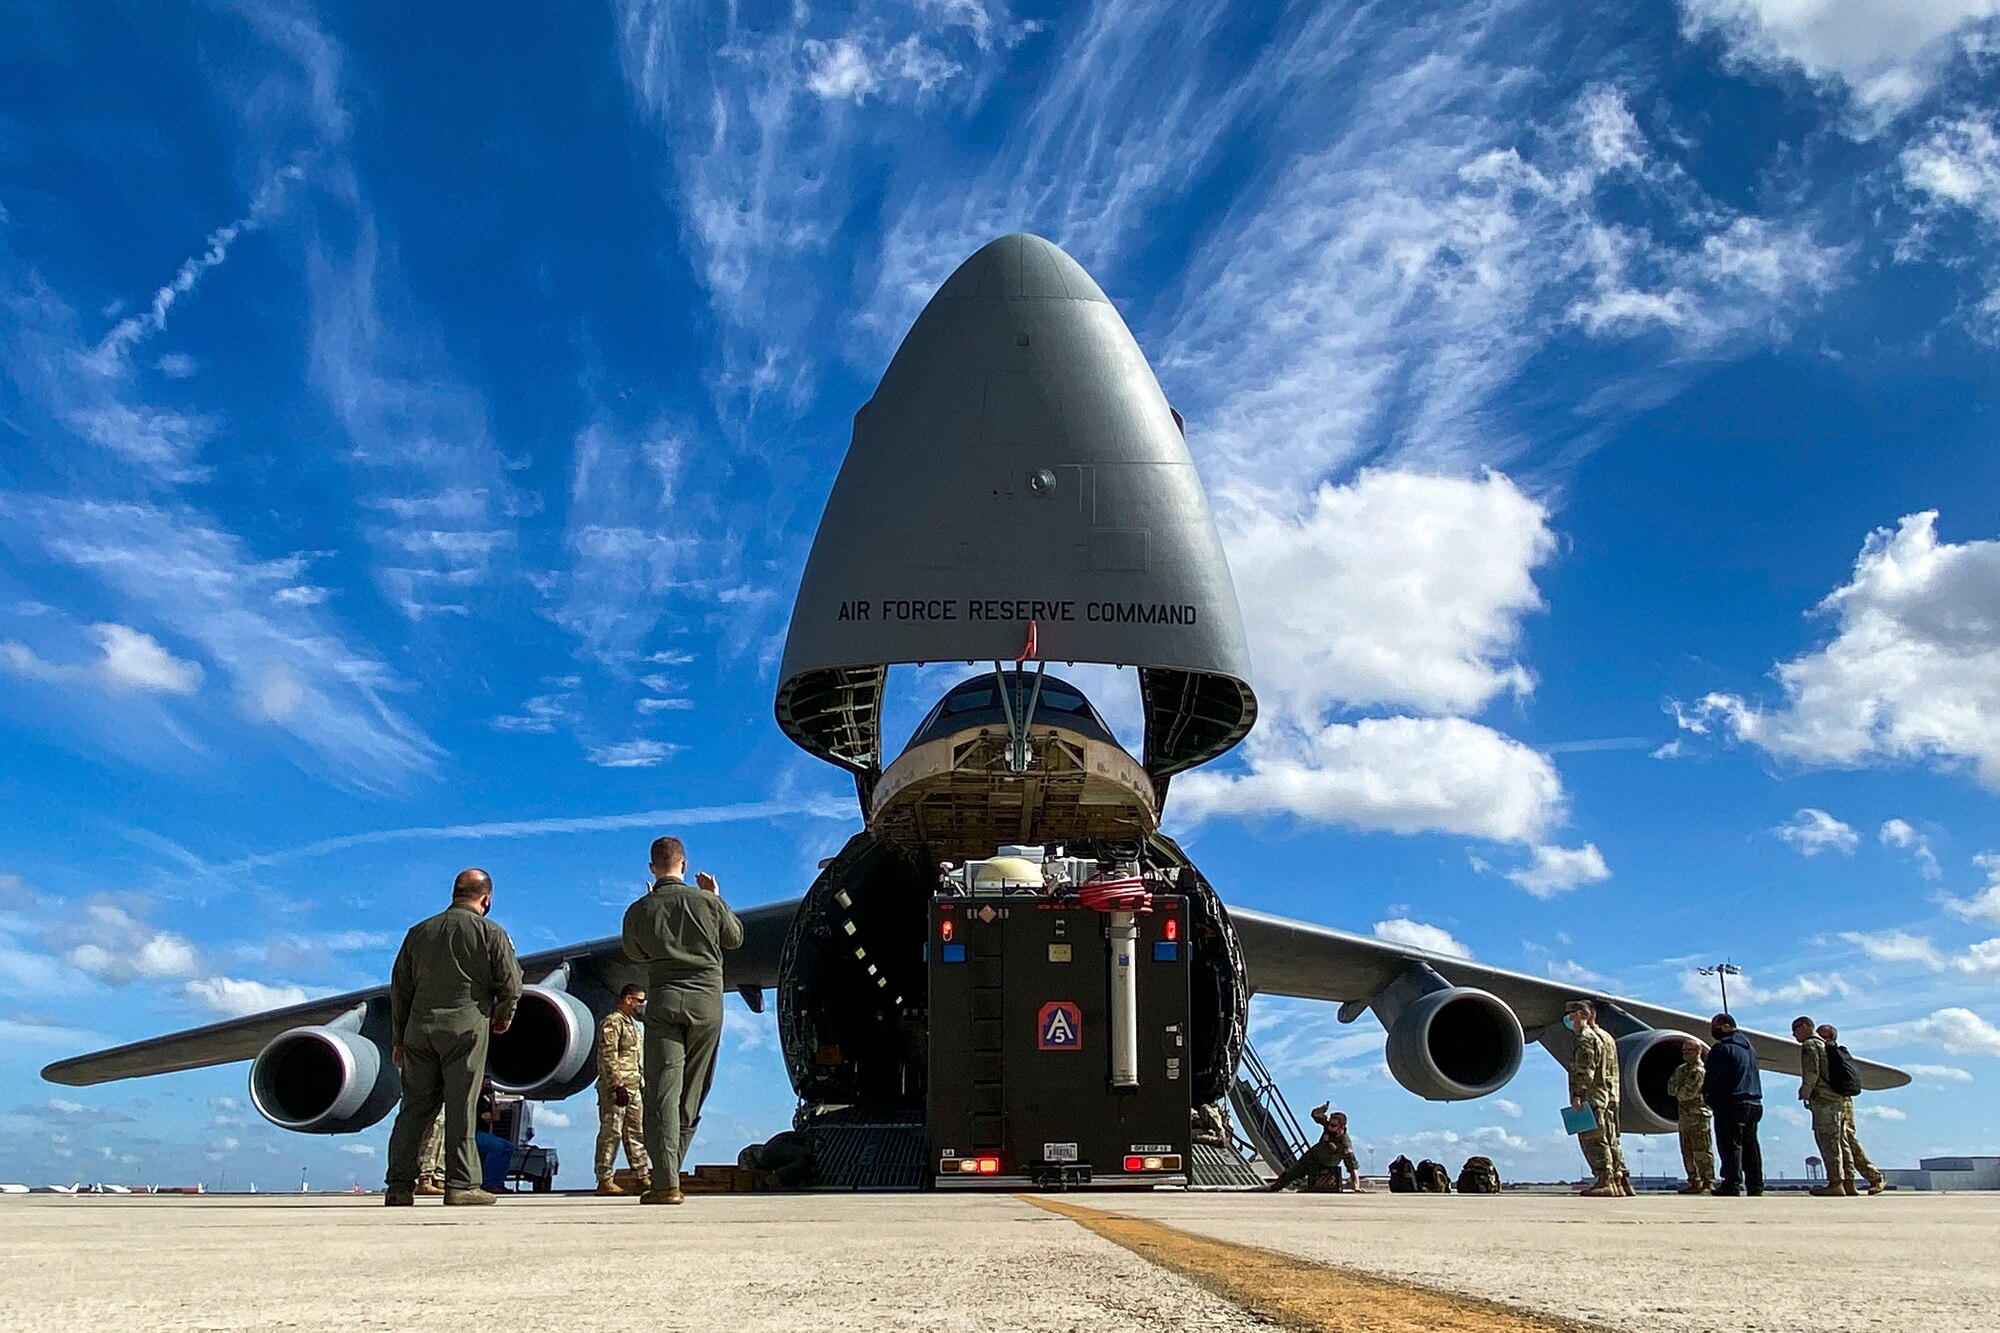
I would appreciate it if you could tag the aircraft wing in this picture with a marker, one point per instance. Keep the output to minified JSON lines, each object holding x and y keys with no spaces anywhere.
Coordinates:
{"x":752,"y":967}
{"x":1309,"y":962}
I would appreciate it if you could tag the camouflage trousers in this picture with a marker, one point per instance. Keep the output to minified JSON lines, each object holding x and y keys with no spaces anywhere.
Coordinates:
{"x":1859,"y":1159}
{"x":1831,"y":1129}
{"x":1602,"y":1149}
{"x":1698,"y":1148}
{"x":430,"y":1155}
{"x":617,"y":1124}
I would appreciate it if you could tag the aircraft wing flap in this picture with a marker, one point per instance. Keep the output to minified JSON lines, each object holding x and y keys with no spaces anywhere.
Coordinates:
{"x":755,"y":964}
{"x":1306,"y":961}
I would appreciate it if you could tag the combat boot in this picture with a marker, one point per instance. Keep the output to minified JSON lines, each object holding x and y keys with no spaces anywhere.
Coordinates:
{"x":1830,"y":1190}
{"x":1625,"y":1186}
{"x":1603,"y":1189}
{"x":1847,"y":1187}
{"x":610,"y":1186}
{"x":429,"y":1189}
{"x":663,"y":1196}
{"x":1692,"y":1187}
{"x":1877,"y":1185}
{"x":399,"y":1198}
{"x":456,"y":1197}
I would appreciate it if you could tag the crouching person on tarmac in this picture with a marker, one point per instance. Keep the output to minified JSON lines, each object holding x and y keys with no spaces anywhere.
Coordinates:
{"x":1697,"y":1147}
{"x":1326,"y":1158}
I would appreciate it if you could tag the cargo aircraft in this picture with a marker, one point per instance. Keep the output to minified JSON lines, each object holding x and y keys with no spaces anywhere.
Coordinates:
{"x":1017,"y":491}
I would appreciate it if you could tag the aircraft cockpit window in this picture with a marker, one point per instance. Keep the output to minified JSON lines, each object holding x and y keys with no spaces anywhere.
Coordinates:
{"x":967,"y":701}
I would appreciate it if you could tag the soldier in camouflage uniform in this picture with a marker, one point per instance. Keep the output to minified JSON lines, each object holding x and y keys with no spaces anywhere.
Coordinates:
{"x":456,"y":982}
{"x":1830,"y":1111}
{"x":1326,"y":1158}
{"x":1877,"y":1182}
{"x":620,"y":1099}
{"x":1593,"y":1082}
{"x":430,"y":1175}
{"x":1697,"y":1141}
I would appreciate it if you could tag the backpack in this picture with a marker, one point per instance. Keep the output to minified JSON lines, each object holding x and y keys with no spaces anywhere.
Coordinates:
{"x":1432,"y":1178}
{"x":1478,"y":1176}
{"x":1840,"y":1072}
{"x":1402,"y":1176}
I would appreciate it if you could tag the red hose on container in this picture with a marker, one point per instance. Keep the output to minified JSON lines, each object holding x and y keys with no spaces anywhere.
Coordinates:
{"x":1125,"y":894}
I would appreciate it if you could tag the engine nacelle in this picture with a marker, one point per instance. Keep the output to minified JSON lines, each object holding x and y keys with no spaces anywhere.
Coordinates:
{"x":545,"y":1053}
{"x":323,"y":1080}
{"x":1455,"y":1044}
{"x":1646,"y":1060}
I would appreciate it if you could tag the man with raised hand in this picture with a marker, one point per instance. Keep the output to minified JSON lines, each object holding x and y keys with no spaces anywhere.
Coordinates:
{"x":679,"y":931}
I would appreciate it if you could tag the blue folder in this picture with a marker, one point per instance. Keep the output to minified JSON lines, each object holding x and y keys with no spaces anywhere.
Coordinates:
{"x":1578,"y":1119}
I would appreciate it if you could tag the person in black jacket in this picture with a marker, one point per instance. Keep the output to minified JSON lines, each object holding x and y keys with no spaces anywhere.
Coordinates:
{"x":1734,"y":1090}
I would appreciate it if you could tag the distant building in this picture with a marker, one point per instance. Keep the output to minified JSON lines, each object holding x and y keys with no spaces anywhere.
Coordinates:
{"x":1949,"y":1173}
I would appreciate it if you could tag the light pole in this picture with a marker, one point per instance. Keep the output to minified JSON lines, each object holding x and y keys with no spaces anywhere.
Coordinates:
{"x":1722,"y":972}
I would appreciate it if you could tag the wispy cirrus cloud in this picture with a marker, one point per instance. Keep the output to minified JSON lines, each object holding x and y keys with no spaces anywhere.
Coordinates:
{"x":287,"y":665}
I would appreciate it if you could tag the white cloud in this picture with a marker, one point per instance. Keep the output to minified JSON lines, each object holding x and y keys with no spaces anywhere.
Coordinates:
{"x":1810,"y":832}
{"x":627,"y":550}
{"x":1900,"y":833}
{"x":1418,"y":588}
{"x":1887,"y":53}
{"x":1746,"y":993}
{"x":1954,"y":172}
{"x":359,"y":1149}
{"x":176,"y":365}
{"x":1938,"y":1073}
{"x":137,"y":660}
{"x":235,"y":998}
{"x":1418,"y":935}
{"x":1956,"y":1031}
{"x":110,"y":943}
{"x":1512,"y":1110}
{"x":128,"y":332}
{"x":539,"y":715}
{"x":1873,"y":1112}
{"x":664,"y":705}
{"x":847,"y":69}
{"x":632,"y":754}
{"x":1568,"y":969}
{"x":288,"y":664}
{"x":1983,"y":906}
{"x":131,"y":660}
{"x":1560,"y":869}
{"x":1897,"y":946}
{"x":1913,"y":673}
{"x":1399,"y":774}
{"x":549,"y":1117}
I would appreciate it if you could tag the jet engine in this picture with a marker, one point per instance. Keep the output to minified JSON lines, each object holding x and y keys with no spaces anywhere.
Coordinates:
{"x":323,"y":1080}
{"x":545,"y":1053}
{"x":1646,"y":1060}
{"x":1454,"y":1044}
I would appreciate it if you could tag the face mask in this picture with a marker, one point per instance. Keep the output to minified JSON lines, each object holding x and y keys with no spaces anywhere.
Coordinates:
{"x":1569,"y":1021}
{"x":1718,"y":1033}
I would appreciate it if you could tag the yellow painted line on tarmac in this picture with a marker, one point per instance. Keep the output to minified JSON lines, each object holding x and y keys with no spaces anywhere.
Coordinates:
{"x":1297,"y":1293}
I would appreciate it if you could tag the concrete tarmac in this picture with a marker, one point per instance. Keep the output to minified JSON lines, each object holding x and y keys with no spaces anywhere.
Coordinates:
{"x":1912,"y":1263}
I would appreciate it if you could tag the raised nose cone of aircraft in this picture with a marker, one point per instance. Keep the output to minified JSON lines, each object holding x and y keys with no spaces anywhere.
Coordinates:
{"x":1021,"y":267}
{"x":1018,"y":465}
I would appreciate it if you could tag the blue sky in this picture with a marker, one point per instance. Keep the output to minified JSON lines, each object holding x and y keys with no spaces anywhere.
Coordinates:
{"x":411,"y":434}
